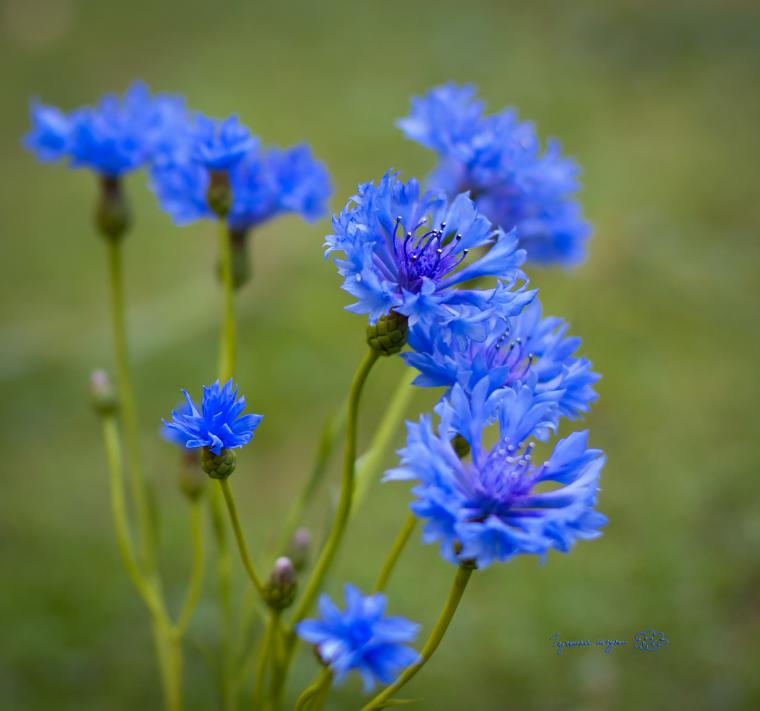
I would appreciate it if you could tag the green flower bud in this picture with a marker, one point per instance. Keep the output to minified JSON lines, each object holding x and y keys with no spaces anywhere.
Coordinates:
{"x":218,"y":466}
{"x":299,"y":548}
{"x":219,"y":193}
{"x":104,"y":398}
{"x":112,"y":216}
{"x":280,"y":590}
{"x":388,"y":335}
{"x":192,"y":480}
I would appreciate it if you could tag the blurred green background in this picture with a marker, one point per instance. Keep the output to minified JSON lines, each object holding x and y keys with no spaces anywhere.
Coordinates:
{"x":658,"y":102}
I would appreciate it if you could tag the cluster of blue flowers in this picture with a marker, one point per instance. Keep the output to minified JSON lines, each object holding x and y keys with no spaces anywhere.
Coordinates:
{"x":448,"y":263}
{"x":500,"y":161}
{"x":181,"y":148}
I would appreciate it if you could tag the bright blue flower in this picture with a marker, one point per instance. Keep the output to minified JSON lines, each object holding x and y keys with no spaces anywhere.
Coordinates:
{"x":361,"y":638}
{"x":264,"y":183}
{"x":498,"y":505}
{"x":218,"y":423}
{"x":406,"y":252}
{"x":114,"y":137}
{"x":500,"y":161}
{"x":515,"y":346}
{"x":220,"y":145}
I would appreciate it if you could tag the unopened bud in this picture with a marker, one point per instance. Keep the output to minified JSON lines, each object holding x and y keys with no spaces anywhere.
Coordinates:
{"x":299,"y":548}
{"x":112,"y":216}
{"x":103,"y":394}
{"x":218,"y":466}
{"x":461,"y":446}
{"x":388,"y":335}
{"x":219,"y":193}
{"x":280,"y":590}
{"x":192,"y":480}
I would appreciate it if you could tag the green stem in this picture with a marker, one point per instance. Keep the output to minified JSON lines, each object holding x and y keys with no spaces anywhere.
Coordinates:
{"x":313,"y":697}
{"x":224,"y":587}
{"x":196,"y":578}
{"x":372,"y":459}
{"x":168,"y":648}
{"x":228,"y":352}
{"x":444,"y":619}
{"x":330,"y":434}
{"x":242,"y":547}
{"x":138,"y":485}
{"x":264,"y":658}
{"x":398,"y":545}
{"x":346,"y":492}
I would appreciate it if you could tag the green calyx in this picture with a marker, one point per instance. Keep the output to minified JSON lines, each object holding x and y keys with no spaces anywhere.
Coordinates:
{"x":218,"y":466}
{"x":112,"y":216}
{"x":280,"y":589}
{"x":388,"y":335}
{"x":219,"y":193}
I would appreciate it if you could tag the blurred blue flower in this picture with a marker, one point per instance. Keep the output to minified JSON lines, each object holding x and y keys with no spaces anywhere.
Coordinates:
{"x":264,"y":183}
{"x":114,"y":137}
{"x":514,"y":347}
{"x":500,"y":161}
{"x":405,"y":251}
{"x":361,"y":638}
{"x":220,"y":145}
{"x":498,"y":505}
{"x":218,"y":423}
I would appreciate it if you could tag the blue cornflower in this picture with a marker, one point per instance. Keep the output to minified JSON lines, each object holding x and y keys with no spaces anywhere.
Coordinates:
{"x":361,"y":638}
{"x":404,"y":252}
{"x":218,"y":423}
{"x":498,"y":505}
{"x":264,"y":183}
{"x":114,"y":137}
{"x":220,"y":145}
{"x":500,"y":161}
{"x":515,"y":347}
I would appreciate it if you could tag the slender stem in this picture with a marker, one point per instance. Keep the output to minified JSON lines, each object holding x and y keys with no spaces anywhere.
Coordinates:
{"x":167,"y":642}
{"x":436,"y":635}
{"x":228,"y":352}
{"x":264,"y":658}
{"x":342,"y":513}
{"x":196,"y":578}
{"x":346,"y":492}
{"x":398,"y":545}
{"x":138,"y":484}
{"x":224,"y":587}
{"x":332,"y":431}
{"x":368,"y":464}
{"x":313,"y":697}
{"x":242,"y":546}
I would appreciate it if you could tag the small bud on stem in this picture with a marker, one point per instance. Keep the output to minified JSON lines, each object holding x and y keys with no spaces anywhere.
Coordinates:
{"x":192,"y":481}
{"x":103,"y":394}
{"x":280,"y":590}
{"x":298,"y":548}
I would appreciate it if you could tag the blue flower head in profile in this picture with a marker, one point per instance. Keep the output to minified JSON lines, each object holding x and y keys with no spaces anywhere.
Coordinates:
{"x":217,"y":423}
{"x":265,"y":182}
{"x":497,"y":505}
{"x":500,"y":160}
{"x":361,"y":638}
{"x":516,"y":347}
{"x":413,"y":253}
{"x":118,"y":135}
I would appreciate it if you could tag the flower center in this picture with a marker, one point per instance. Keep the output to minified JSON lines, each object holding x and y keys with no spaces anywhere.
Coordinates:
{"x":421,"y":253}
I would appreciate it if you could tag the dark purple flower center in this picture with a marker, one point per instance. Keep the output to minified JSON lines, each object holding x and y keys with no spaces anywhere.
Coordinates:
{"x":421,"y":254}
